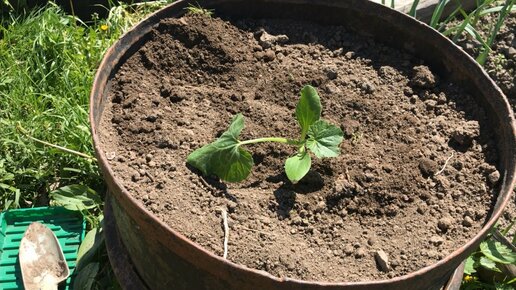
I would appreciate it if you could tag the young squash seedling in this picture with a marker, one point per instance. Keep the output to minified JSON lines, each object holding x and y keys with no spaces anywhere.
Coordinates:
{"x":227,"y":159}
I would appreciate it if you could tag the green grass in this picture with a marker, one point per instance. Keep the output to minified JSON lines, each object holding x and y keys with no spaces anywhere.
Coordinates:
{"x":46,"y":68}
{"x":47,"y":63}
{"x":198,"y":9}
{"x":461,"y":23}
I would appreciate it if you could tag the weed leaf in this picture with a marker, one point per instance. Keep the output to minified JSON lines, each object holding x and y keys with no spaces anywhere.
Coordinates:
{"x":308,"y":109}
{"x":75,"y":197}
{"x":86,"y":277}
{"x":224,"y":157}
{"x":324,"y":139}
{"x":89,"y":248}
{"x":297,"y":166}
{"x":488,"y":264}
{"x":470,"y":265}
{"x":498,"y":252}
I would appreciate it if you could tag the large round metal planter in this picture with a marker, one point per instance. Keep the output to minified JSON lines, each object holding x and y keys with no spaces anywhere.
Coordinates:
{"x":165,"y":259}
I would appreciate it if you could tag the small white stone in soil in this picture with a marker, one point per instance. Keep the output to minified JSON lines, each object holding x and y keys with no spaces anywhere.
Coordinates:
{"x":494,"y":177}
{"x":382,"y":260}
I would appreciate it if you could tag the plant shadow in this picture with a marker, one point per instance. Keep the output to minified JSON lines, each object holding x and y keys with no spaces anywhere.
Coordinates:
{"x":286,"y":194}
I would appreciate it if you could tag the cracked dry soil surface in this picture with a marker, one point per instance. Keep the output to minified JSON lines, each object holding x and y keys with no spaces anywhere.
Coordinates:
{"x":389,"y":193}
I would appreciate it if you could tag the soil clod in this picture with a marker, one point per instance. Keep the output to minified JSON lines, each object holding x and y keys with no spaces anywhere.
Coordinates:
{"x":423,"y":77}
{"x":428,"y":167}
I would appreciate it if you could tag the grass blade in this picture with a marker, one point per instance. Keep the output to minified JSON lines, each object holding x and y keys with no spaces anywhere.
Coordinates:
{"x":436,"y":16}
{"x":494,"y":10}
{"x":507,"y":7}
{"x":474,"y":33}
{"x":413,"y":8}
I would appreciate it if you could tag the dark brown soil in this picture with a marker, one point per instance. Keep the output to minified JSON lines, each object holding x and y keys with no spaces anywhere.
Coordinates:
{"x":415,"y":177}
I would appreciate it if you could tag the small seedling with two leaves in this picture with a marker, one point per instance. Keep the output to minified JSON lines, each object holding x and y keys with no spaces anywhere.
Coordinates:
{"x":227,"y":159}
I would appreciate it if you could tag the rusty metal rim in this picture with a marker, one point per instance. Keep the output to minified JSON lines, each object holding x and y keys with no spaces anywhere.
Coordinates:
{"x":170,"y":231}
{"x":119,"y":258}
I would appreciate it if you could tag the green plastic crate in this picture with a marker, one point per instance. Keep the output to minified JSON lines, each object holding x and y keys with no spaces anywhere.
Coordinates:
{"x":68,"y":226}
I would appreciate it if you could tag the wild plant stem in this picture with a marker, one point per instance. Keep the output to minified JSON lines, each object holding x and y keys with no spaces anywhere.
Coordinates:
{"x":271,"y":139}
{"x":64,"y":149}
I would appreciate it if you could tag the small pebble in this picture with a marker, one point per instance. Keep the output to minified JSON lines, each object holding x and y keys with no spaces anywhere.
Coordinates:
{"x":135,"y":177}
{"x":445,"y":223}
{"x":360,"y":253}
{"x":269,"y":55}
{"x":382,"y":261}
{"x":331,"y":73}
{"x":348,"y":250}
{"x":428,"y":167}
{"x":368,"y":88}
{"x":421,"y":209}
{"x":467,"y":221}
{"x":436,"y":240}
{"x":493,"y":177}
{"x":232,"y":206}
{"x":320,"y":206}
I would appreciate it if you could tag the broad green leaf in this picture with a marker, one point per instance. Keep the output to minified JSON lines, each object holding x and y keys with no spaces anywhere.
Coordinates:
{"x":236,"y":126}
{"x":75,"y":197}
{"x":232,"y":164}
{"x":324,"y":139}
{"x":86,"y":277}
{"x":488,"y":264}
{"x":469,"y":267}
{"x":498,"y":252}
{"x":224,"y":157}
{"x":308,"y":109}
{"x":297,"y":166}
{"x":89,"y":247}
{"x":87,"y":243}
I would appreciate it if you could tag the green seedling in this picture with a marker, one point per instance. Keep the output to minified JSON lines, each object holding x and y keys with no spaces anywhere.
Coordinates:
{"x":227,"y":159}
